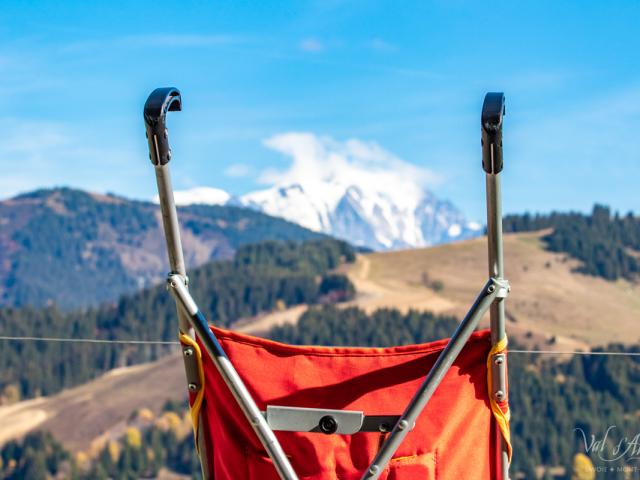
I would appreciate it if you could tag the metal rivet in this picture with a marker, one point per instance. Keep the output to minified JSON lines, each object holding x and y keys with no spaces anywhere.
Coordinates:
{"x":491,"y":289}
{"x":499,"y":395}
{"x":193,"y":387}
{"x":187,"y":352}
{"x":499,"y":360}
{"x":374,"y":469}
{"x":384,"y":428}
{"x":402,"y":424}
{"x":328,"y":425}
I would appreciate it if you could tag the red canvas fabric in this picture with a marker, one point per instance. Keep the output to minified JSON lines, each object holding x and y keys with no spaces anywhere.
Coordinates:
{"x":455,"y":437}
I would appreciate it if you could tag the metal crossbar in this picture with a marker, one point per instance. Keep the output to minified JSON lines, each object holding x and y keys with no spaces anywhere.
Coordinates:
{"x":191,"y":319}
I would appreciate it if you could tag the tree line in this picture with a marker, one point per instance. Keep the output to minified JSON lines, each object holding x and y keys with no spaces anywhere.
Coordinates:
{"x":607,"y":245}
{"x":260,"y":278}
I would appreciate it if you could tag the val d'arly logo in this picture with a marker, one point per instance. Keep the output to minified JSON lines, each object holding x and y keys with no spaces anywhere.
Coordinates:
{"x":607,"y":451}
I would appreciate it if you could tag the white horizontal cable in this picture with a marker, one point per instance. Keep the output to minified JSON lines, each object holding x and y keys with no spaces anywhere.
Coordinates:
{"x":90,"y":340}
{"x":169,"y":342}
{"x":579,"y":352}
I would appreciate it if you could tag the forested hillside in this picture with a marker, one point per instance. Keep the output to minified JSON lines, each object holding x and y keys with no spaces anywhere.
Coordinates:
{"x":73,"y":249}
{"x":261,"y":278}
{"x":607,"y":245}
{"x":352,"y":326}
{"x":549,"y":398}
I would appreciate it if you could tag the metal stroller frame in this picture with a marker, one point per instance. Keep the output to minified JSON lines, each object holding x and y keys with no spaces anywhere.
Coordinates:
{"x":191,"y":320}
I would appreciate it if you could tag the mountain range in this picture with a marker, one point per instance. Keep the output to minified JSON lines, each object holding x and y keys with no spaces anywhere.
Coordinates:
{"x":75,"y":249}
{"x":363,"y":214}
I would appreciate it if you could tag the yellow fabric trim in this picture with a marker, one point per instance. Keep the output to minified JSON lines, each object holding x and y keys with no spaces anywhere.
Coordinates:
{"x":197,"y":403}
{"x":502,"y":418}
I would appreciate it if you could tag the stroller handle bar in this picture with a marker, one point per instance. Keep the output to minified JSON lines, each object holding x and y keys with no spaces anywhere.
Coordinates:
{"x":161,"y":101}
{"x":191,"y":320}
{"x":492,"y":112}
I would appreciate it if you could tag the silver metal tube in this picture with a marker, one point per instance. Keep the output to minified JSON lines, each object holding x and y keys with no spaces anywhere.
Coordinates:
{"x":433,"y":379}
{"x":161,"y":101}
{"x":171,"y":231}
{"x":496,"y":258}
{"x":497,"y":312}
{"x":491,"y":121}
{"x":170,"y":220}
{"x":232,"y":379}
{"x":176,"y":264}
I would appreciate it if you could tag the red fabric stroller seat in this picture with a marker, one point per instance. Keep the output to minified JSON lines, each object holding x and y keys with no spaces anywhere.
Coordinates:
{"x":463,"y":433}
{"x":455,"y":437}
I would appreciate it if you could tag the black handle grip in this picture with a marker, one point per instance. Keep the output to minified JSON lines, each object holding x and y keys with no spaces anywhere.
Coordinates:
{"x":492,"y":113}
{"x":161,"y":101}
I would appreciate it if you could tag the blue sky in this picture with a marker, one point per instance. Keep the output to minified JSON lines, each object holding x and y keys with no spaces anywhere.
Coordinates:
{"x":407,"y":76}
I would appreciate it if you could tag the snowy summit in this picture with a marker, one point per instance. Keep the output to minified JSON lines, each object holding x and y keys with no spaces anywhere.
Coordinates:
{"x":351,"y":190}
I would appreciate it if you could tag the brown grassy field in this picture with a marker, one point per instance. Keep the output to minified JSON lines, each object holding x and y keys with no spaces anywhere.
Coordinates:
{"x":83,"y":417}
{"x":548,"y":298}
{"x":550,"y":305}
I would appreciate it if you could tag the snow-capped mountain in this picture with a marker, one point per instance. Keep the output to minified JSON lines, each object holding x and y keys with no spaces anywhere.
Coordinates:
{"x":366,"y":218}
{"x":352,"y":190}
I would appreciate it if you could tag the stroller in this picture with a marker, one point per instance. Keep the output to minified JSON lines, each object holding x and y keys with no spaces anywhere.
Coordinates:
{"x":264,"y":410}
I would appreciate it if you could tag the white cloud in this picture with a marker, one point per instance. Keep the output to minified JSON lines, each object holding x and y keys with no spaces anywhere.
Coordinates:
{"x":25,"y":153}
{"x":311,"y":45}
{"x":199,"y":195}
{"x":237,"y":170}
{"x":38,"y":154}
{"x":381,"y":45}
{"x":29,"y":141}
{"x":316,"y":159}
{"x":603,"y":131}
{"x":154,"y":40}
{"x":575,"y":154}
{"x":180,"y":40}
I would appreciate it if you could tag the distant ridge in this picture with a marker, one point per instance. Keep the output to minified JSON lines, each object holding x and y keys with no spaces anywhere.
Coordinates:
{"x":74,"y":248}
{"x":360,"y":214}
